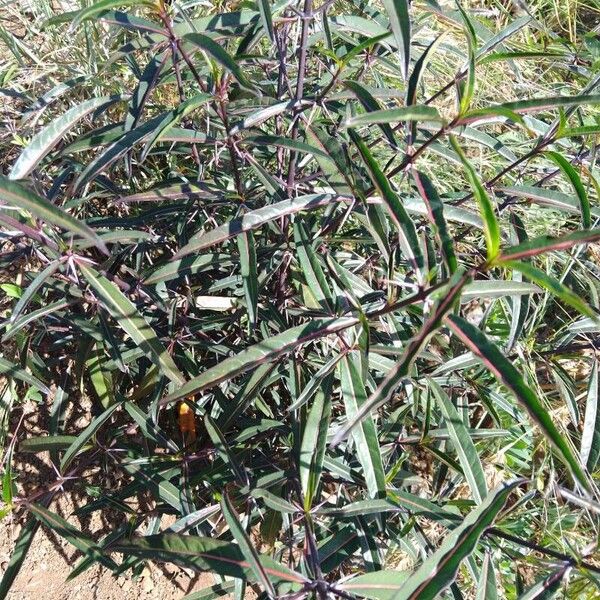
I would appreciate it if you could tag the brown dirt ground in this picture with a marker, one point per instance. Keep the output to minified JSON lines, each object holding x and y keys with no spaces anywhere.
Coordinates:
{"x":51,"y":558}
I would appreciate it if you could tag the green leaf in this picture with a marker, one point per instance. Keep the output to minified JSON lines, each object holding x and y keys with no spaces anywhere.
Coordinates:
{"x":550,"y":198}
{"x":247,"y":250}
{"x":486,"y":586}
{"x":17,"y":195}
{"x":567,"y":168}
{"x":401,"y":369}
{"x":312,"y":269}
{"x":544,"y":243}
{"x":440,"y":568}
{"x":590,"y":438}
{"x":266,"y":351}
{"x":552,"y":285}
{"x":435,"y":209}
{"x":491,"y":227}
{"x":275,"y":502}
{"x":70,"y":533}
{"x":214,"y":591}
{"x":314,"y":443}
{"x":462,"y":443}
{"x":415,"y":112}
{"x":365,"y":434}
{"x":43,"y":443}
{"x":505,"y":372}
{"x":15,"y":372}
{"x":254,"y":219}
{"x":469,"y":87}
{"x":221,"y":56}
{"x":224,"y":451}
{"x":85,"y":436}
{"x":44,"y":141}
{"x":130,"y":320}
{"x":98,"y":7}
{"x":397,"y":11}
{"x":264,"y":8}
{"x":205,"y":554}
{"x":409,"y":242}
{"x":530,"y":106}
{"x":245,"y":545}
{"x":379,"y":585}
{"x":171,"y":119}
{"x":371,"y":104}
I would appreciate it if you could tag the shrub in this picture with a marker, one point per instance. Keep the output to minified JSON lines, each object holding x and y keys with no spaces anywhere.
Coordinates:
{"x":324,"y":272}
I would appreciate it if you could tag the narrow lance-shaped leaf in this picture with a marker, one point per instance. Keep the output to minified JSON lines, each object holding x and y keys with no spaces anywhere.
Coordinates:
{"x":371,"y":104}
{"x":104,"y":5}
{"x":435,"y":209}
{"x":590,"y":438}
{"x":246,"y":546}
{"x":134,"y":324}
{"x":508,"y":375}
{"x":567,"y":168}
{"x":312,"y":269}
{"x":416,"y":112}
{"x":490,"y":222}
{"x":9,"y":369}
{"x":43,"y":142}
{"x":409,"y":241}
{"x":266,"y":351}
{"x":247,"y":250}
{"x":224,"y":451}
{"x":256,"y":218}
{"x":172,"y":118}
{"x":84,"y":437}
{"x":469,"y":87}
{"x":552,"y":285}
{"x":266,"y":17}
{"x":378,"y":585}
{"x":439,"y":570}
{"x":220,"y":55}
{"x":17,"y":195}
{"x":463,"y":444}
{"x":314,"y":442}
{"x":365,"y":434}
{"x":18,"y":555}
{"x":397,"y":11}
{"x":205,"y":554}
{"x":532,"y":105}
{"x":543,"y":244}
{"x":486,"y":586}
{"x":73,"y":535}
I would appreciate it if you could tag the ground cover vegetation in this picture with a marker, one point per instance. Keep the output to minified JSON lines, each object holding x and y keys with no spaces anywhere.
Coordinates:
{"x":322,"y":277}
